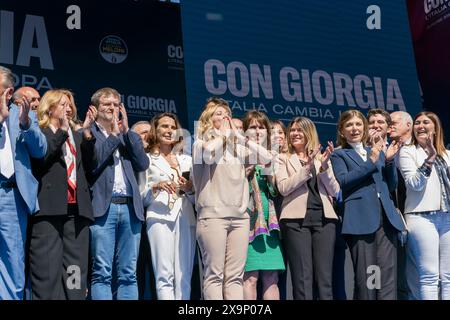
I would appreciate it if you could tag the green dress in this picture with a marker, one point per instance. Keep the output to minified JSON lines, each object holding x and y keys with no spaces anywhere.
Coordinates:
{"x":264,"y":252}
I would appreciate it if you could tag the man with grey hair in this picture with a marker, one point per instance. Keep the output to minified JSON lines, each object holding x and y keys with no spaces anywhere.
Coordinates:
{"x":142,"y":128}
{"x":401,"y":126}
{"x":20,"y":139}
{"x":407,"y":281}
{"x":30,"y":93}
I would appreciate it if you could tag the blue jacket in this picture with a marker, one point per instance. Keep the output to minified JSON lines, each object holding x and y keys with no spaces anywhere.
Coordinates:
{"x":134,"y":159}
{"x":360,"y":183}
{"x":25,"y":144}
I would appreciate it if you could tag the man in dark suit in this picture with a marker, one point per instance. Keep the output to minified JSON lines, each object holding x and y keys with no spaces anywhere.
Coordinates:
{"x":20,"y":140}
{"x":118,"y":208}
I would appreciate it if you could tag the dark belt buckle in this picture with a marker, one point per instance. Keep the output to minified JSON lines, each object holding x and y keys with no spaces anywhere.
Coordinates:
{"x":120,"y":200}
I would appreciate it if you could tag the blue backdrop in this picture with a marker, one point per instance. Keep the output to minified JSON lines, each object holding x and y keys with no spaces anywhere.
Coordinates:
{"x":298,"y":58}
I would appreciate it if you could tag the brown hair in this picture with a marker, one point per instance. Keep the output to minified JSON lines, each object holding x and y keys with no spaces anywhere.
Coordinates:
{"x":103,"y":92}
{"x":438,"y":137}
{"x":383,"y":112}
{"x":152,"y":140}
{"x":280,"y":123}
{"x":346,"y":116}
{"x":261,"y":118}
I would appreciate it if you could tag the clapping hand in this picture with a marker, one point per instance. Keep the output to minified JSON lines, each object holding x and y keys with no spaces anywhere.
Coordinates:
{"x":115,"y":130}
{"x":64,"y":123}
{"x":91,"y":115}
{"x":4,"y":112}
{"x":375,"y":137}
{"x":393,"y":149}
{"x":25,"y":107}
{"x":123,"y":124}
{"x":377,"y":146}
{"x":430,"y":148}
{"x":326,"y":155}
{"x":312,"y":154}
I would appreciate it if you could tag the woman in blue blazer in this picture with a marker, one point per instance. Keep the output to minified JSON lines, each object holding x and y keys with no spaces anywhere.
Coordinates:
{"x":371,"y":223}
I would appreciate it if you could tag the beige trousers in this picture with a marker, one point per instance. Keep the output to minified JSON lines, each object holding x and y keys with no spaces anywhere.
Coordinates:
{"x":223,"y":243}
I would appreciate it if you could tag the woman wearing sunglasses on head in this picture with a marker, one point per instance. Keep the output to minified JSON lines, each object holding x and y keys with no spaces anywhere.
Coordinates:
{"x":166,"y":191}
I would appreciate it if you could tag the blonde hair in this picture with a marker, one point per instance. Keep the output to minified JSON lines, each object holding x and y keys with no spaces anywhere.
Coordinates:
{"x":309,"y":130}
{"x":205,"y":126}
{"x":346,"y":116}
{"x":438,"y":137}
{"x":50,"y":100}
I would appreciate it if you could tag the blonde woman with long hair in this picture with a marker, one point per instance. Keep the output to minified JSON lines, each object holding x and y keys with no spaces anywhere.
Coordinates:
{"x":60,"y":230}
{"x":308,"y":220}
{"x":222,"y":196}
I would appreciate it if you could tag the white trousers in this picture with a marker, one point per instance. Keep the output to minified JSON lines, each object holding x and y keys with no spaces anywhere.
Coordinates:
{"x":172,"y":245}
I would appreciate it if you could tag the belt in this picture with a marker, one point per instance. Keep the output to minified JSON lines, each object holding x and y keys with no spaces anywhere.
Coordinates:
{"x":6,"y":184}
{"x":120,"y":200}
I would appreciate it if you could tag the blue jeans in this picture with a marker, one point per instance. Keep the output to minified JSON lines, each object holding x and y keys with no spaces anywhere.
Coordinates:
{"x":13,"y":226}
{"x":429,"y":244}
{"x":115,"y":242}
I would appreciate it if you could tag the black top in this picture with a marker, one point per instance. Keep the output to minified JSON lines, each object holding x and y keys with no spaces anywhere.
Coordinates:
{"x":51,"y":173}
{"x":314,"y":209}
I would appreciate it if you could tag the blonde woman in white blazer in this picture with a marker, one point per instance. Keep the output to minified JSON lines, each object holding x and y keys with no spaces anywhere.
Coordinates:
{"x":425,"y":169}
{"x":167,"y":195}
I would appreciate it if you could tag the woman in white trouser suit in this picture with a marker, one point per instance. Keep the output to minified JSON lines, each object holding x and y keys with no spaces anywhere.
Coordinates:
{"x":166,"y":192}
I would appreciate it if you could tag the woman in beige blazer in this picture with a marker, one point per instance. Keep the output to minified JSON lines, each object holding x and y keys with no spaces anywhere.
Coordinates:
{"x":168,"y":198}
{"x":308,"y":221}
{"x":221,"y":199}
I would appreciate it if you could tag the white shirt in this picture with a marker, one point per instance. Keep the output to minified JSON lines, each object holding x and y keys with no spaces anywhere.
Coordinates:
{"x":422,"y":193}
{"x":121,"y":186}
{"x":6,"y":156}
{"x":359,"y":148}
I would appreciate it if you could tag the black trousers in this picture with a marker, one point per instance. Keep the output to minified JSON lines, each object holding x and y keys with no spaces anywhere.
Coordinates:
{"x":374,"y":258}
{"x":309,"y":251}
{"x":59,"y":256}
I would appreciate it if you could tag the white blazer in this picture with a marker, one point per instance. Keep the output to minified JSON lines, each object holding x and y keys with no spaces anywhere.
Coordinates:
{"x":157,"y":205}
{"x":422,"y":193}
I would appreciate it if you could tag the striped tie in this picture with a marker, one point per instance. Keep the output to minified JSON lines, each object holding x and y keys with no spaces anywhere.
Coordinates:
{"x":71,"y":176}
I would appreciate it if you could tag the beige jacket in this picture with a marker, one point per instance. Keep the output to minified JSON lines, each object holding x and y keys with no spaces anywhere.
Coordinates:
{"x":221,"y":189}
{"x":291,"y":178}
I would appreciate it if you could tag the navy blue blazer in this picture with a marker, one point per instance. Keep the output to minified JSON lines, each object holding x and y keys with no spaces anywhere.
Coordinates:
{"x":134,"y":159}
{"x":360,"y":182}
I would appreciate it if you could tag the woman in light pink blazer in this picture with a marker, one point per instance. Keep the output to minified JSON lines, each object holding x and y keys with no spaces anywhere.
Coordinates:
{"x":308,"y":221}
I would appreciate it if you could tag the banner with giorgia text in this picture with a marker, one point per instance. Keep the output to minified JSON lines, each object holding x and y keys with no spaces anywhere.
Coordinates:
{"x":83,"y":45}
{"x":299,"y":58}
{"x":430,"y":28}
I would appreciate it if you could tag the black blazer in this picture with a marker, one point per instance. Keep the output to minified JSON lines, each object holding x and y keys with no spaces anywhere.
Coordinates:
{"x":51,"y":172}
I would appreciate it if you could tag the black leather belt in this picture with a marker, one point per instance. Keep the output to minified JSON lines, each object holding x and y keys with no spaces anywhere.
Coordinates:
{"x":6,"y":184}
{"x":120,"y":200}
